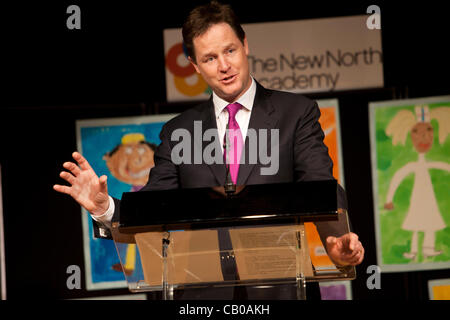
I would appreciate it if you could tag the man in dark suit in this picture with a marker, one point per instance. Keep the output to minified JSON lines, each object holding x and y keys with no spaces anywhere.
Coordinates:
{"x":218,"y":50}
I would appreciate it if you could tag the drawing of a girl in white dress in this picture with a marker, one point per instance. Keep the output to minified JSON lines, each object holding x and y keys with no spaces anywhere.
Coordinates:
{"x":423,"y":214}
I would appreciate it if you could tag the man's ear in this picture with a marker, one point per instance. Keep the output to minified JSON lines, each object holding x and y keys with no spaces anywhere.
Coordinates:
{"x":247,"y":51}
{"x":194,"y":64}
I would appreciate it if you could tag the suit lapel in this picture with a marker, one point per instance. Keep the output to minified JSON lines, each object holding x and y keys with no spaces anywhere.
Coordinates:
{"x":263,"y":116}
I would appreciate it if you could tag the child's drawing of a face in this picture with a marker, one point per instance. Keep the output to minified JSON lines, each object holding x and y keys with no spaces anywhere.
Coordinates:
{"x":131,"y":163}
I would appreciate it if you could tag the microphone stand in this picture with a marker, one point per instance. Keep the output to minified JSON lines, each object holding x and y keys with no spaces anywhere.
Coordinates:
{"x":230,"y":190}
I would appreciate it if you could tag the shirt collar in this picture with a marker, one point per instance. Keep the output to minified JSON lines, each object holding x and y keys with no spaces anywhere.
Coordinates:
{"x":246,"y":100}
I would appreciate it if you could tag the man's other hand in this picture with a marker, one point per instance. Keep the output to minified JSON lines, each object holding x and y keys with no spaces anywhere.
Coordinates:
{"x":346,"y":250}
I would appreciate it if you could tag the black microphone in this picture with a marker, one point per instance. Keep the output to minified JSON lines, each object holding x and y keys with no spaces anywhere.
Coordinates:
{"x":230,"y":187}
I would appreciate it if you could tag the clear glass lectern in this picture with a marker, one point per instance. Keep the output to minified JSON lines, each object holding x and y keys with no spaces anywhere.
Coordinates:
{"x":263,"y":235}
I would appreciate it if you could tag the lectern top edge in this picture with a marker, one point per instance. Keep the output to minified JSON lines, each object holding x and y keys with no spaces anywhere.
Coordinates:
{"x":198,"y":208}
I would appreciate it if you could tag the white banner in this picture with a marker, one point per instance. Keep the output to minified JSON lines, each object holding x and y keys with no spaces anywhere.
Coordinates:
{"x":328,"y":54}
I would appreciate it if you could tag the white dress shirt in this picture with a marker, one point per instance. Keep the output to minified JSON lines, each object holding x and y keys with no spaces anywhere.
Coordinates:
{"x":242,"y":118}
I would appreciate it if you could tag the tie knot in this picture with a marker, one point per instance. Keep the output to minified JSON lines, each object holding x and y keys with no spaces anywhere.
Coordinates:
{"x":233,"y":108}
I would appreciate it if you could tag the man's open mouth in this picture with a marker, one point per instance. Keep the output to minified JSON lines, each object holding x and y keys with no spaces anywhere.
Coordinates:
{"x":229,"y":79}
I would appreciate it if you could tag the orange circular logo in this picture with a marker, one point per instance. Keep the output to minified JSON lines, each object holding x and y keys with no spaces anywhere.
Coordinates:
{"x":180,"y":73}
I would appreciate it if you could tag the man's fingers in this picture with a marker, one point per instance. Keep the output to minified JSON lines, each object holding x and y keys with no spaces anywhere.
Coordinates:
{"x":353,"y":246}
{"x":67,"y":176}
{"x":357,"y":259}
{"x":335,"y":243}
{"x":72,"y":167}
{"x":62,"y":189}
{"x":357,"y":256}
{"x":84,"y":164}
{"x":331,"y":240}
{"x":354,"y":249}
{"x":352,"y":241}
{"x":103,"y":184}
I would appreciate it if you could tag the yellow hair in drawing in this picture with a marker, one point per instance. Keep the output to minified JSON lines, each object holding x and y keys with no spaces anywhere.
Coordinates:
{"x":399,"y":127}
{"x":132,"y":137}
{"x":442,"y":115}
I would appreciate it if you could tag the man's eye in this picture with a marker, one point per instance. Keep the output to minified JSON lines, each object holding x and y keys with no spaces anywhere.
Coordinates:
{"x":128,"y":150}
{"x":141,"y":151}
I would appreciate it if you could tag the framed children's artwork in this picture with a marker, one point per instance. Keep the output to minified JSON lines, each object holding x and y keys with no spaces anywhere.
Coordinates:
{"x":122,"y":149}
{"x":410,"y":151}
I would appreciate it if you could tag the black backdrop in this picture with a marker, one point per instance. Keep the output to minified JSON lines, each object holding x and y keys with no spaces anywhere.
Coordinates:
{"x":114,"y":66}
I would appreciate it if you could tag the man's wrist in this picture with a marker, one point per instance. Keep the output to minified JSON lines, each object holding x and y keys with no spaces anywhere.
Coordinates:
{"x":106,"y":217}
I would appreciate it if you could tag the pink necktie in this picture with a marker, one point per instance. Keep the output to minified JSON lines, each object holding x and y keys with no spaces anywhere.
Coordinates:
{"x":233,"y":148}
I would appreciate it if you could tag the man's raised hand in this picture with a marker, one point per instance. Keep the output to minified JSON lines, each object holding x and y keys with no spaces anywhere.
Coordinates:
{"x":90,"y":191}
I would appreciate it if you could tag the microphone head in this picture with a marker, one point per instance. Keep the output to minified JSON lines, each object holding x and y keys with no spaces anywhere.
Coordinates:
{"x":230,"y":187}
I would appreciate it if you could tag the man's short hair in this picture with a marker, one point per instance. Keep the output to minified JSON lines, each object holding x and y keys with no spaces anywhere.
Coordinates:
{"x":201,"y":18}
